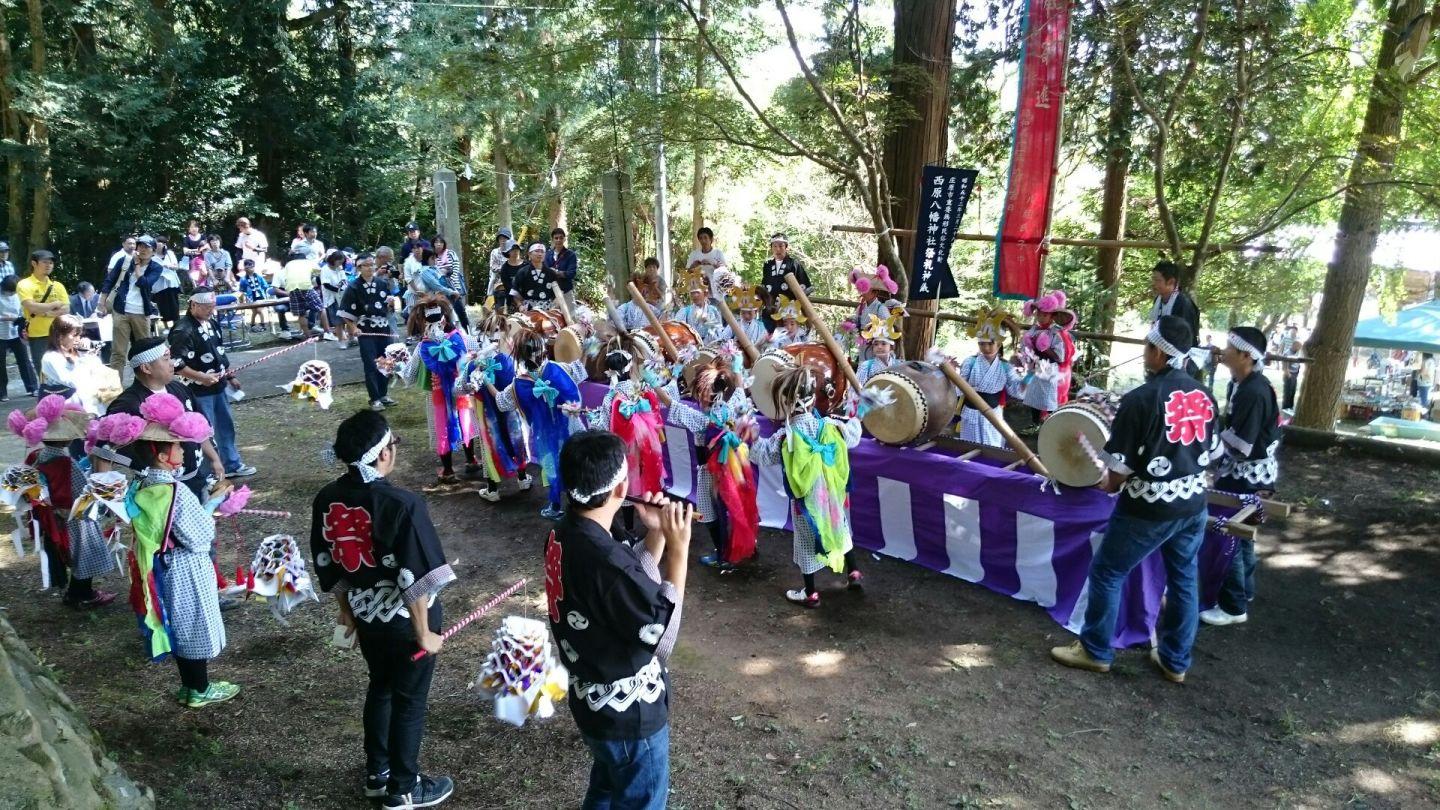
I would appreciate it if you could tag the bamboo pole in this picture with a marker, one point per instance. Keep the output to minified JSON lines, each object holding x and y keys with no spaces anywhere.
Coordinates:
{"x":819,"y":326}
{"x":974,"y":400}
{"x":564,"y":304}
{"x":1138,"y":244}
{"x":741,"y":339}
{"x":1078,"y":335}
{"x":614,"y":314}
{"x":669,"y":348}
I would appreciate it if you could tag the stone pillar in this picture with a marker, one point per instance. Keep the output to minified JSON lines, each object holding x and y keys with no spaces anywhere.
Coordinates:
{"x":619,"y":252}
{"x":447,"y":212}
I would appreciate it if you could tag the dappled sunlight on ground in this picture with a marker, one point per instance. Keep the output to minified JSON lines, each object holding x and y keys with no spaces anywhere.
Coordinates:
{"x":965,"y":656}
{"x":823,"y":663}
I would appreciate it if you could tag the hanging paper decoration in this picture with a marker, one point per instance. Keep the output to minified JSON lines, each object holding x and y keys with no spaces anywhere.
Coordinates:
{"x":521,"y":673}
{"x":278,"y":574}
{"x":313,"y":382}
{"x":21,"y":486}
{"x":1029,"y":200}
{"x":393,"y":360}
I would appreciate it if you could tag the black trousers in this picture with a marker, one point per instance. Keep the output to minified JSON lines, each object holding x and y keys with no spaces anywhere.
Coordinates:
{"x":377,"y":385}
{"x":21,"y":351}
{"x":1291,"y":382}
{"x":395,"y":704}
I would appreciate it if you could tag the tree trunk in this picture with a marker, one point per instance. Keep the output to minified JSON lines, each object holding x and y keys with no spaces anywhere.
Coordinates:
{"x":349,"y":180}
{"x":556,"y":214}
{"x":502,"y":173}
{"x":919,"y":116}
{"x":39,"y":133}
{"x":1114,"y":196}
{"x":697,"y":185}
{"x":14,"y":161}
{"x":1360,"y":219}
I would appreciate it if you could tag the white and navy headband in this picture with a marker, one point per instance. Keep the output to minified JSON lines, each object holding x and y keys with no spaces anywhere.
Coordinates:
{"x":203,"y":298}
{"x":1240,"y":344}
{"x":365,"y":464}
{"x":620,"y":475}
{"x":1177,"y":355}
{"x":150,"y":355}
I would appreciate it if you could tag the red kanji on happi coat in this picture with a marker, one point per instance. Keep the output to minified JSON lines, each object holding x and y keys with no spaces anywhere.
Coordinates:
{"x":554,"y":587}
{"x":1187,"y":416}
{"x":347,"y":530}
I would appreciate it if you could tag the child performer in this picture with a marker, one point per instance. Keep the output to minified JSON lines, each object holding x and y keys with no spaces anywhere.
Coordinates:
{"x":53,"y":426}
{"x":724,"y":481}
{"x":436,"y":365}
{"x":100,"y":508}
{"x":1049,"y":343}
{"x":878,"y":337}
{"x":173,"y":579}
{"x":875,"y":288}
{"x":991,"y":377}
{"x":632,"y":412}
{"x":815,"y":454}
{"x":545,"y":391}
{"x":744,"y":300}
{"x":702,"y":315}
{"x":791,"y":328}
{"x":501,"y":443}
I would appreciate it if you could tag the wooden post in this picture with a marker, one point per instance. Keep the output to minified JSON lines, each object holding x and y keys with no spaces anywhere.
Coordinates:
{"x":564,"y":304}
{"x":819,"y":326}
{"x":665,"y":344}
{"x":741,"y":339}
{"x":973,"y":399}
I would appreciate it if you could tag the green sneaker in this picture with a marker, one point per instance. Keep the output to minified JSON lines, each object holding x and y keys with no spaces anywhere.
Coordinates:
{"x":219,"y":692}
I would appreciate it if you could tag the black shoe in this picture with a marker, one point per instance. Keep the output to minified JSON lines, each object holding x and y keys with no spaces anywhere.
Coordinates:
{"x":472,"y":472}
{"x":427,"y":792}
{"x":375,"y":785}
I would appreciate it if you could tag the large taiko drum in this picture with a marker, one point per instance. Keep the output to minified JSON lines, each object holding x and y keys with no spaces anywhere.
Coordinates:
{"x":558,"y":316}
{"x":1059,"y":446}
{"x":702,"y":358}
{"x":829,"y":384}
{"x":680,"y":333}
{"x":541,"y":323}
{"x":924,"y":403}
{"x":569,"y":345}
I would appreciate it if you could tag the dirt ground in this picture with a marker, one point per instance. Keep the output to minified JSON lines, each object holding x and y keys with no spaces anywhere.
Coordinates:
{"x":925,"y":691}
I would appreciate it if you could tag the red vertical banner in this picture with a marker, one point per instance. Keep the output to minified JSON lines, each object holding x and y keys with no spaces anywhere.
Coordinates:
{"x":1039,"y":117}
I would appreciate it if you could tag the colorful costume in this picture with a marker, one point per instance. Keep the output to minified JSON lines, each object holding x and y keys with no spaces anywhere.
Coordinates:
{"x":540,"y":397}
{"x":992,"y":380}
{"x":172,"y":579}
{"x":503,"y":447}
{"x":55,"y":423}
{"x":815,"y":455}
{"x":633,"y":413}
{"x":725,"y":487}
{"x":436,"y":366}
{"x":878,"y":308}
{"x":1052,"y":351}
{"x":742,"y":299}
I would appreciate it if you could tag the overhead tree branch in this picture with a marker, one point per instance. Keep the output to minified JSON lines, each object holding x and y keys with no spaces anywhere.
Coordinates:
{"x":315,"y":17}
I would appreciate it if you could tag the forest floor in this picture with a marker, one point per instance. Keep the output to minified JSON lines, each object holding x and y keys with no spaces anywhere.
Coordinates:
{"x":924,"y":691}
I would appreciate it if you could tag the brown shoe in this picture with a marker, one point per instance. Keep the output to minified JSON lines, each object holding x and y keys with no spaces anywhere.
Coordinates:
{"x":1173,"y":677}
{"x":1075,"y":655}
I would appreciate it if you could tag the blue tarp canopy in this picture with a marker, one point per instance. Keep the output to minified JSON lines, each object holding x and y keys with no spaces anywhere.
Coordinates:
{"x":1415,"y":329}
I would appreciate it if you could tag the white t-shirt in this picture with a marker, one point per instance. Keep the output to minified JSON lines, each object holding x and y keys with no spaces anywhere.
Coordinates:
{"x":709,"y":262}
{"x":134,"y":304}
{"x":334,"y":276}
{"x":253,"y":245}
{"x":1427,"y":373}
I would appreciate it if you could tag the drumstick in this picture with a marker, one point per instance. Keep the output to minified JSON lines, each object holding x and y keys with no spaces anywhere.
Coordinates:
{"x":975,"y":401}
{"x":563,"y":303}
{"x":614,"y":313}
{"x":741,"y":339}
{"x":819,"y":326}
{"x":671,"y":353}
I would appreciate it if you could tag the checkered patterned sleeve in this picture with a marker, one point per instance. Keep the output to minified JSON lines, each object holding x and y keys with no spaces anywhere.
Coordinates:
{"x":192,"y":526}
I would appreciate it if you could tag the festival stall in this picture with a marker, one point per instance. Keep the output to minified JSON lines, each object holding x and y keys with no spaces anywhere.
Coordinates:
{"x":1385,"y":391}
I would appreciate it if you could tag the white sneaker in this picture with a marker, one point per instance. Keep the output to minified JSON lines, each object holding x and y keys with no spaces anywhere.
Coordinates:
{"x":330,"y":336}
{"x":1219,"y":618}
{"x":800,"y":597}
{"x":344,"y":344}
{"x":377,"y":405}
{"x":525,"y":483}
{"x":491,"y":495}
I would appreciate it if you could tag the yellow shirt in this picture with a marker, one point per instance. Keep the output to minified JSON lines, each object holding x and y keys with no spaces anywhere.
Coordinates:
{"x":31,"y":288}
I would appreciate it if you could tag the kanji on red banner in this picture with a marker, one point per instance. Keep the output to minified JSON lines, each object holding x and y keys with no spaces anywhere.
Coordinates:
{"x":554,"y":584}
{"x":1025,"y":221}
{"x":347,"y":530}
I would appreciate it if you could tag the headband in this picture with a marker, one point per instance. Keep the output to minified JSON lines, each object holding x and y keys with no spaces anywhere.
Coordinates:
{"x":364,"y":464}
{"x":1241,"y":344}
{"x":203,"y":298}
{"x":1177,"y":356}
{"x":149,"y":355}
{"x":620,"y":475}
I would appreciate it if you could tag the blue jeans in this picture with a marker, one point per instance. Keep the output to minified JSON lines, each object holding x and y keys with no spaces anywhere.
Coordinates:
{"x":1239,"y":586}
{"x":216,"y":408}
{"x":377,"y":385}
{"x":1127,"y":542}
{"x":629,"y":774}
{"x":1424,"y":393}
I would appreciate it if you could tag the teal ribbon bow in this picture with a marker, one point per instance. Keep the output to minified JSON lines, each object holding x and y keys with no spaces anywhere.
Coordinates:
{"x":825,"y":451}
{"x":492,"y":367}
{"x":728,"y":443}
{"x":650,"y":378}
{"x":630,"y":407}
{"x":441,"y":351}
{"x":546,"y":391}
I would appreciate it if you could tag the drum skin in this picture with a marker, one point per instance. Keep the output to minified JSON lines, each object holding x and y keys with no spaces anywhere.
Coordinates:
{"x":681,"y":334}
{"x":541,"y":323}
{"x":829,"y":383}
{"x":1061,"y":451}
{"x":569,"y":346}
{"x":703,"y":358}
{"x":925,"y":402}
{"x":558,"y":316}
